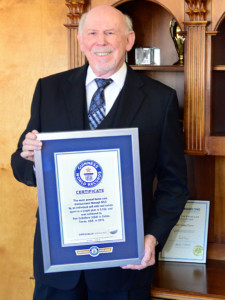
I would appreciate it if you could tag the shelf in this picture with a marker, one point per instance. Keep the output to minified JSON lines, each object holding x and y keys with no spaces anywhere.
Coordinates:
{"x":162,"y":68}
{"x":219,"y":68}
{"x":215,"y":145}
{"x":175,"y":280}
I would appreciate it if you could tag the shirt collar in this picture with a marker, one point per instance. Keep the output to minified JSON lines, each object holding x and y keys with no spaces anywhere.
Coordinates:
{"x":118,"y":77}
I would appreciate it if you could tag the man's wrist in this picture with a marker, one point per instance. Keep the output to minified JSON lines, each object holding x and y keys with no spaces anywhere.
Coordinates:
{"x":153,"y":239}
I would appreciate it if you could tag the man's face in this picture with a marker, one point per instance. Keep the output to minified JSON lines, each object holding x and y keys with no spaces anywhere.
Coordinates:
{"x":105,"y":40}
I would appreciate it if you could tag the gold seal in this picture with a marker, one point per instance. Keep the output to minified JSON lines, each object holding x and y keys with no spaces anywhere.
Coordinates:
{"x":198,"y":250}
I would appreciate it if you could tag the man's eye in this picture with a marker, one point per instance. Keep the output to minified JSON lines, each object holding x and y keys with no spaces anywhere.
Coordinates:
{"x":91,"y":33}
{"x":110,"y":32}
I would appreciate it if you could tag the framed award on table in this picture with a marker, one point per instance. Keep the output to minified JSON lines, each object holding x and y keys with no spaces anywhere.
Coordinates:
{"x":187,"y":241}
{"x":90,"y":202}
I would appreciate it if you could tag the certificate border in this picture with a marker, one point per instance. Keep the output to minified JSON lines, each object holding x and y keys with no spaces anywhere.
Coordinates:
{"x":49,"y":266}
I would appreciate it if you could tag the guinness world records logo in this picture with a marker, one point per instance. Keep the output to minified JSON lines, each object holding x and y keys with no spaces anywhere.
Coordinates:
{"x":88,"y":173}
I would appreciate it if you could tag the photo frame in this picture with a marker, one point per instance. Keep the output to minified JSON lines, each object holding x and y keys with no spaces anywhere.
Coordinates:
{"x":90,"y":201}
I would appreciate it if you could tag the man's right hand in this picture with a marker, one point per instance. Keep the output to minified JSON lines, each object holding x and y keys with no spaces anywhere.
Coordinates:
{"x":29,"y":145}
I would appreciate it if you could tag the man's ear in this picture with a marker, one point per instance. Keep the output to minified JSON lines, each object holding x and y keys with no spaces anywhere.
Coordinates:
{"x":130,"y":40}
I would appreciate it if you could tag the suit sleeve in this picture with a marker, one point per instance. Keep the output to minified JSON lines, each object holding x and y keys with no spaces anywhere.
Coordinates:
{"x":171,"y":193}
{"x":23,"y":169}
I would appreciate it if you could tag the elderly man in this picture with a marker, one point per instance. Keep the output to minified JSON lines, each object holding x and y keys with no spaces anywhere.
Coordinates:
{"x":67,"y":101}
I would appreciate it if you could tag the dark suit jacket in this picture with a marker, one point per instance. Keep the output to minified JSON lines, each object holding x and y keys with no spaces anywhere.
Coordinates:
{"x":59,"y":104}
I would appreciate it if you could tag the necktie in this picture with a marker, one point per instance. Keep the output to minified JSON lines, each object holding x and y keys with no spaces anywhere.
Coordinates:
{"x":96,"y":112}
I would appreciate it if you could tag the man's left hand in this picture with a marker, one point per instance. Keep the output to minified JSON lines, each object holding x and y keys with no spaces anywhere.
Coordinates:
{"x":149,"y":256}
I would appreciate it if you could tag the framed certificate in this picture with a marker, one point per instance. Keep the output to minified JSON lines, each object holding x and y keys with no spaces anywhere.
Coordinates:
{"x":90,"y":203}
{"x":187,"y":241}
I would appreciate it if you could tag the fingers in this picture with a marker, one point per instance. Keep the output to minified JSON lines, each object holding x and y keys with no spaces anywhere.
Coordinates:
{"x":30,"y":144}
{"x":149,"y":256}
{"x":148,"y":260}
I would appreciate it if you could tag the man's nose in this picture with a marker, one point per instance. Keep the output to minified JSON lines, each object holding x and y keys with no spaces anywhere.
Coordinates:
{"x":101,"y":39}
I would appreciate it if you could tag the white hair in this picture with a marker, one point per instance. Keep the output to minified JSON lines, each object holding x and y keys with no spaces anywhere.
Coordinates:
{"x":128,"y":22}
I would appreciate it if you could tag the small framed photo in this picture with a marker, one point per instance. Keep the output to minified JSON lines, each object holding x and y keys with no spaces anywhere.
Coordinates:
{"x":147,"y":56}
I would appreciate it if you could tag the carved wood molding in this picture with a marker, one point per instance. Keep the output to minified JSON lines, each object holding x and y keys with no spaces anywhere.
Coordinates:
{"x":194,"y":117}
{"x":76,"y":9}
{"x":196,"y":10}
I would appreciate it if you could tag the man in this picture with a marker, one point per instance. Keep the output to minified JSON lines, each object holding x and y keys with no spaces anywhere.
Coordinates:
{"x":63,"y":102}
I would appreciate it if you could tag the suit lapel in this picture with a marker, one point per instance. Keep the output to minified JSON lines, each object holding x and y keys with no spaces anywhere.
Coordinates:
{"x":75,"y":98}
{"x":131,"y":100}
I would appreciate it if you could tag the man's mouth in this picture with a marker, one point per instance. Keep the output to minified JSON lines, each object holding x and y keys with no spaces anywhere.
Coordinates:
{"x":102,"y":53}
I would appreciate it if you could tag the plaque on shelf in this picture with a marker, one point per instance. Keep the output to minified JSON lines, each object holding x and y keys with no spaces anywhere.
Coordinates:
{"x":147,"y":56}
{"x":187,"y":241}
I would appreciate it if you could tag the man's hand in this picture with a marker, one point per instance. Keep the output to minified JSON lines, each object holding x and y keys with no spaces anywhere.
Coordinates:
{"x":29,"y":145}
{"x":149,"y":256}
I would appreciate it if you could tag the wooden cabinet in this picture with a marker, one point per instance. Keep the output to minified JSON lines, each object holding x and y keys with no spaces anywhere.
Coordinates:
{"x":215,"y":102}
{"x":200,"y":85}
{"x":218,"y":80}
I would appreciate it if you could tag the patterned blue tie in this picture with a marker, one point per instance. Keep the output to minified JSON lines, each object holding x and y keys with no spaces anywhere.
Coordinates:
{"x":96,"y":112}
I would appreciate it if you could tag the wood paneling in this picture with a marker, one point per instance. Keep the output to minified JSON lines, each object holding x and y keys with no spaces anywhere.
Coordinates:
{"x":220,"y":201}
{"x":202,"y":186}
{"x":206,"y":182}
{"x":76,"y":9}
{"x":17,"y":215}
{"x":151,"y":23}
{"x":33,"y":44}
{"x":173,"y":6}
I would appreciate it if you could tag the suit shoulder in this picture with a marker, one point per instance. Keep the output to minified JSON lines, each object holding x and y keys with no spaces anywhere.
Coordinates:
{"x":150,"y":84}
{"x":63,"y":75}
{"x":156,"y":85}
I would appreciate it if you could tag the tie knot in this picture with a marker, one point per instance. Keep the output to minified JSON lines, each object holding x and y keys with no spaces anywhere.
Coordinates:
{"x":103,"y":83}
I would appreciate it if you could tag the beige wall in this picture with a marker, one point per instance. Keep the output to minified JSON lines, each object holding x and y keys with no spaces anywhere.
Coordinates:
{"x":33,"y":44}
